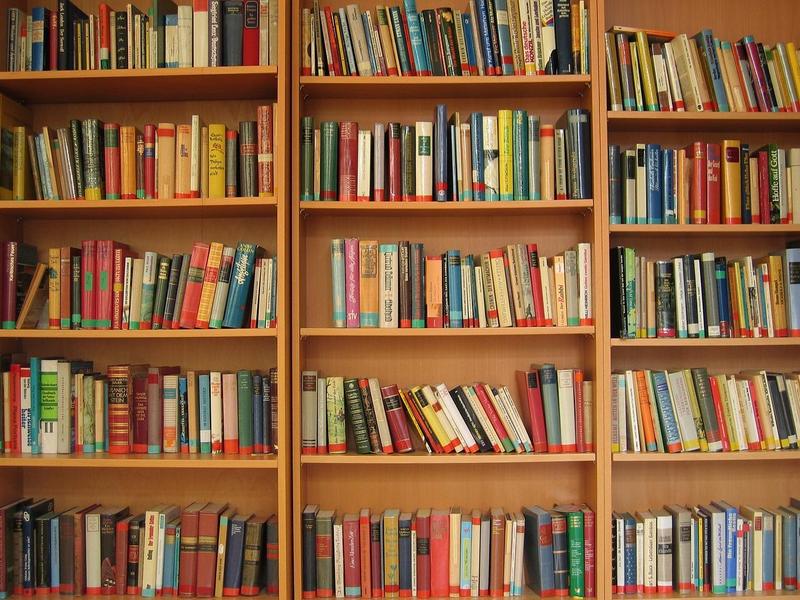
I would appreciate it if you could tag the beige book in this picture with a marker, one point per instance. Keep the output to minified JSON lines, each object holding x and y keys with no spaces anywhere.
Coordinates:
{"x":136,"y":293}
{"x":547,"y":161}
{"x":702,"y":83}
{"x":204,"y":162}
{"x":559,"y":274}
{"x":165,"y":151}
{"x":501,"y":288}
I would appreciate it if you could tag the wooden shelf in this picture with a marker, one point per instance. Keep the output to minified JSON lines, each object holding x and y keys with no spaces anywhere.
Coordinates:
{"x":709,"y":595}
{"x":139,"y":85}
{"x":703,"y":342}
{"x":139,"y":209}
{"x":116,"y":334}
{"x":444,"y":209}
{"x":658,"y":457}
{"x":390,"y":88}
{"x":446,"y":332}
{"x":701,"y":121}
{"x":726,"y":230}
{"x":422,"y":458}
{"x":141,"y":461}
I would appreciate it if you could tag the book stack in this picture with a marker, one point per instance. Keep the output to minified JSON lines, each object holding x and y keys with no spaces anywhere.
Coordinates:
{"x":706,"y":548}
{"x":507,"y":156}
{"x":665,"y":71}
{"x":54,"y":406}
{"x":687,"y":410}
{"x":205,"y":549}
{"x":93,"y":160}
{"x":104,"y":284}
{"x":485,"y":38}
{"x":440,"y":552}
{"x":703,"y":295}
{"x":210,"y":33}
{"x":704,"y":183}
{"x":396,"y":285}
{"x":470,"y":419}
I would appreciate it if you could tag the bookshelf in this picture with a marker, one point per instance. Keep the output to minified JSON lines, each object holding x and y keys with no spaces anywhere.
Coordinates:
{"x":637,"y":481}
{"x":258,"y":484}
{"x":409,"y":356}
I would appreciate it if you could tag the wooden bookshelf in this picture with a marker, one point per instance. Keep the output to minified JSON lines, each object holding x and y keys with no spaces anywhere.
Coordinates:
{"x":642,"y":481}
{"x":349,"y":482}
{"x":257,"y":484}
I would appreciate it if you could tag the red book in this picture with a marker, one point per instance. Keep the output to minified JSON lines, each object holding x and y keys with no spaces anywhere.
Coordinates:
{"x":112,"y":161}
{"x":250,"y":34}
{"x":149,"y":161}
{"x":723,"y":430}
{"x":398,"y":427}
{"x":530,"y":390}
{"x":121,"y":557}
{"x":105,"y":34}
{"x":334,"y":66}
{"x":409,"y":50}
{"x":739,"y":55}
{"x":139,"y":414}
{"x":348,"y":160}
{"x":713,"y":181}
{"x":88,"y":286}
{"x":423,"y":523}
{"x":53,"y":41}
{"x":364,"y":549}
{"x":194,"y":285}
{"x":190,"y":523}
{"x":758,"y":75}
{"x":536,"y":285}
{"x":763,"y":187}
{"x":104,"y":283}
{"x":394,"y":182}
{"x":580,"y":425}
{"x":488,"y":408}
{"x":352,"y":553}
{"x":16,"y":408}
{"x":588,"y":551}
{"x":416,"y":415}
{"x":440,"y":553}
{"x":207,"y":530}
{"x":376,"y":556}
{"x":265,"y":148}
{"x":697,"y":189}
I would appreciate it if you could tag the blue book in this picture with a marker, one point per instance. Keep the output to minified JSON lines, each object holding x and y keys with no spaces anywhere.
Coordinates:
{"x":539,"y":547}
{"x":669,"y":425}
{"x":373,"y":60}
{"x":55,"y":578}
{"x":731,"y":516}
{"x":466,"y":553}
{"x":204,"y":397}
{"x":403,"y":553}
{"x":40,"y":17}
{"x":469,"y":41}
{"x":630,"y":550}
{"x":241,"y":281}
{"x":504,"y":35}
{"x":168,"y":569}
{"x":234,"y":553}
{"x":348,"y":46}
{"x":441,"y":133}
{"x":723,"y":302}
{"x":36,"y":404}
{"x":789,"y":550}
{"x":415,"y":35}
{"x":177,"y":558}
{"x":708,"y":53}
{"x":426,"y":45}
{"x":476,"y":141}
{"x":668,"y":209}
{"x":337,"y":283}
{"x":170,"y":20}
{"x":485,"y":37}
{"x":183,"y":414}
{"x":769,"y":551}
{"x":454,"y":291}
{"x":653,"y":171}
{"x":258,"y":413}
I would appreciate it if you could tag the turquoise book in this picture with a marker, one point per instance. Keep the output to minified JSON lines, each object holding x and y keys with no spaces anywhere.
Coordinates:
{"x":204,"y":412}
{"x":237,"y":304}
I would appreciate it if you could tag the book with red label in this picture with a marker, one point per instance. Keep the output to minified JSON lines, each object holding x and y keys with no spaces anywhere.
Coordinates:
{"x":396,"y":419}
{"x":395,"y":161}
{"x":250,"y":34}
{"x":713,"y":184}
{"x":348,"y":161}
{"x":723,"y":429}
{"x":111,"y":160}
{"x":149,"y":161}
{"x":376,"y":556}
{"x":190,"y":523}
{"x":423,"y":525}
{"x":588,"y":551}
{"x":494,"y":419}
{"x":120,"y":556}
{"x":139,"y":415}
{"x":117,"y":284}
{"x":104,"y":309}
{"x":334,"y":65}
{"x":697,"y":188}
{"x":364,"y":548}
{"x":266,"y":168}
{"x":120,"y":401}
{"x":763,"y":187}
{"x":536,"y":285}
{"x":531,"y":392}
{"x":88,"y":284}
{"x":194,"y":285}
{"x":423,"y":429}
{"x":155,"y":406}
{"x":207,"y":531}
{"x":440,"y":553}
{"x":16,"y":408}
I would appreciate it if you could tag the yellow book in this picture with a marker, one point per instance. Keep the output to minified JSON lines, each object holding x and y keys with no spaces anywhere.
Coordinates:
{"x":430,"y":416}
{"x":21,"y":173}
{"x":444,"y":418}
{"x":183,"y":161}
{"x":54,"y":288}
{"x":728,"y":407}
{"x":756,"y":517}
{"x":454,"y":558}
{"x":560,"y":316}
{"x":731,"y":182}
{"x":127,"y":162}
{"x":794,"y":65}
{"x":224,"y":524}
{"x":216,"y":160}
{"x":648,"y":74}
{"x":209,"y":285}
{"x":696,"y":416}
{"x":391,"y":566}
{"x":368,"y":282}
{"x":777,"y":288}
{"x":683,"y":188}
{"x":505,"y":122}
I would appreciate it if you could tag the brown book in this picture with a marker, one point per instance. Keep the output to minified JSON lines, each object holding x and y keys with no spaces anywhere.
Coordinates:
{"x":35,"y":298}
{"x":183,"y":161}
{"x":368,"y":282}
{"x":190,"y":521}
{"x":207,"y":529}
{"x":253,"y":563}
{"x":127,"y":154}
{"x":109,"y":569}
{"x":497,"y":543}
{"x":65,"y":275}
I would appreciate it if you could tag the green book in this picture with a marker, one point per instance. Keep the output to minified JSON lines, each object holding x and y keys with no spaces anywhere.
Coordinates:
{"x":160,"y":298}
{"x":334,"y":405}
{"x":148,"y":289}
{"x":325,"y":578}
{"x":575,"y":554}
{"x":355,"y":410}
{"x":307,"y":158}
{"x":520,"y":154}
{"x":244,"y":386}
{"x":408,"y":162}
{"x":630,"y":291}
{"x":328,"y":160}
{"x":76,"y":291}
{"x":36,"y":405}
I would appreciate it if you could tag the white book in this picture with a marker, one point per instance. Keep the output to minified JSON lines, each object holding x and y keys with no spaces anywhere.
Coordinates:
{"x":528,"y":46}
{"x":501,"y":291}
{"x":673,"y":79}
{"x":380,"y":415}
{"x":185,"y":35}
{"x":194,"y":158}
{"x":566,"y":409}
{"x":92,"y":541}
{"x":424,"y":160}
{"x":793,"y":172}
{"x":740,"y":553}
{"x":256,"y":292}
{"x":135,"y":308}
{"x":701,"y":319}
{"x":322,"y":415}
{"x":585,"y":283}
{"x":378,"y":162}
{"x":200,"y":34}
{"x":680,"y":298}
{"x":475,"y":566}
{"x":560,"y":149}
{"x":338,"y":558}
{"x":491,"y":160}
{"x":388,"y":284}
{"x":632,"y":413}
{"x":620,"y":549}
{"x":263,"y":32}
{"x":640,"y":552}
{"x":464,"y":432}
{"x":149,"y":556}
{"x":466,"y":293}
{"x":737,"y":413}
{"x":679,"y":393}
{"x":452,"y":418}
{"x":546,"y":18}
{"x":516,"y":420}
{"x":364,"y":168}
{"x":215,"y":385}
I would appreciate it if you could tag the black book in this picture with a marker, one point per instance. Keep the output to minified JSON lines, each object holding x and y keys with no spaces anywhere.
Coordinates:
{"x":68,"y":15}
{"x":404,"y":290}
{"x":494,"y":36}
{"x":619,"y":312}
{"x":665,"y":299}
{"x":471,"y":419}
{"x":214,"y":33}
{"x":76,"y":139}
{"x":563,"y":31}
{"x":614,"y":184}
{"x":690,"y":293}
{"x":576,"y":123}
{"x":445,"y":292}
{"x":371,"y":418}
{"x":132,"y":568}
{"x":29,"y":516}
{"x":121,"y":35}
{"x":432,"y":33}
{"x":108,"y":555}
{"x":310,"y":549}
{"x":778,"y":408}
{"x":232,"y":23}
{"x":42,"y":543}
{"x":172,"y":289}
{"x":787,"y":409}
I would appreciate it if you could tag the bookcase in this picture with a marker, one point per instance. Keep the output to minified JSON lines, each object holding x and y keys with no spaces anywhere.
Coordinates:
{"x":637,"y":481}
{"x":406,"y":357}
{"x":257,"y":484}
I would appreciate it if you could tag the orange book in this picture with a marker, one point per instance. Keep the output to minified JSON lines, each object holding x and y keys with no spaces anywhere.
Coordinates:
{"x":210,"y":277}
{"x":731,"y":182}
{"x":127,"y":153}
{"x":644,"y":411}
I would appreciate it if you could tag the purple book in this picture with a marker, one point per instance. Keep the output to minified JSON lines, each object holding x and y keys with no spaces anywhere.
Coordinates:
{"x":351,"y":283}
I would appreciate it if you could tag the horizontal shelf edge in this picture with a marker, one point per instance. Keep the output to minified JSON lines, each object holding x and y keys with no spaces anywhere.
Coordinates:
{"x":443,"y":459}
{"x":762,"y":455}
{"x":445,"y":332}
{"x":140,"y":461}
{"x":164,"y":334}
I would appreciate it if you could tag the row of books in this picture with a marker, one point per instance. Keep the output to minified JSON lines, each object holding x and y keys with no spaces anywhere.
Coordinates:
{"x":556,"y":415}
{"x":487,"y":37}
{"x":508,"y":156}
{"x":687,"y":410}
{"x":714,"y":547}
{"x":398,"y":285}
{"x":54,"y":406}
{"x":665,"y":71}
{"x":212,"y":33}
{"x":205,"y":549}
{"x":93,"y":160}
{"x":439,"y":553}
{"x":703,"y":295}
{"x":705,"y":182}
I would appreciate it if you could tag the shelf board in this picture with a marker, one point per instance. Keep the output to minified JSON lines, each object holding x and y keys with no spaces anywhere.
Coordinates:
{"x":139,"y":209}
{"x":137,"y":85}
{"x":762,"y":455}
{"x":726,"y":230}
{"x":141,"y":461}
{"x":422,"y":458}
{"x":527,"y":207}
{"x":701,"y":121}
{"x":397,"y":87}
{"x":694,"y":595}
{"x":116,"y":334}
{"x":703,"y":342}
{"x":447,"y":332}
